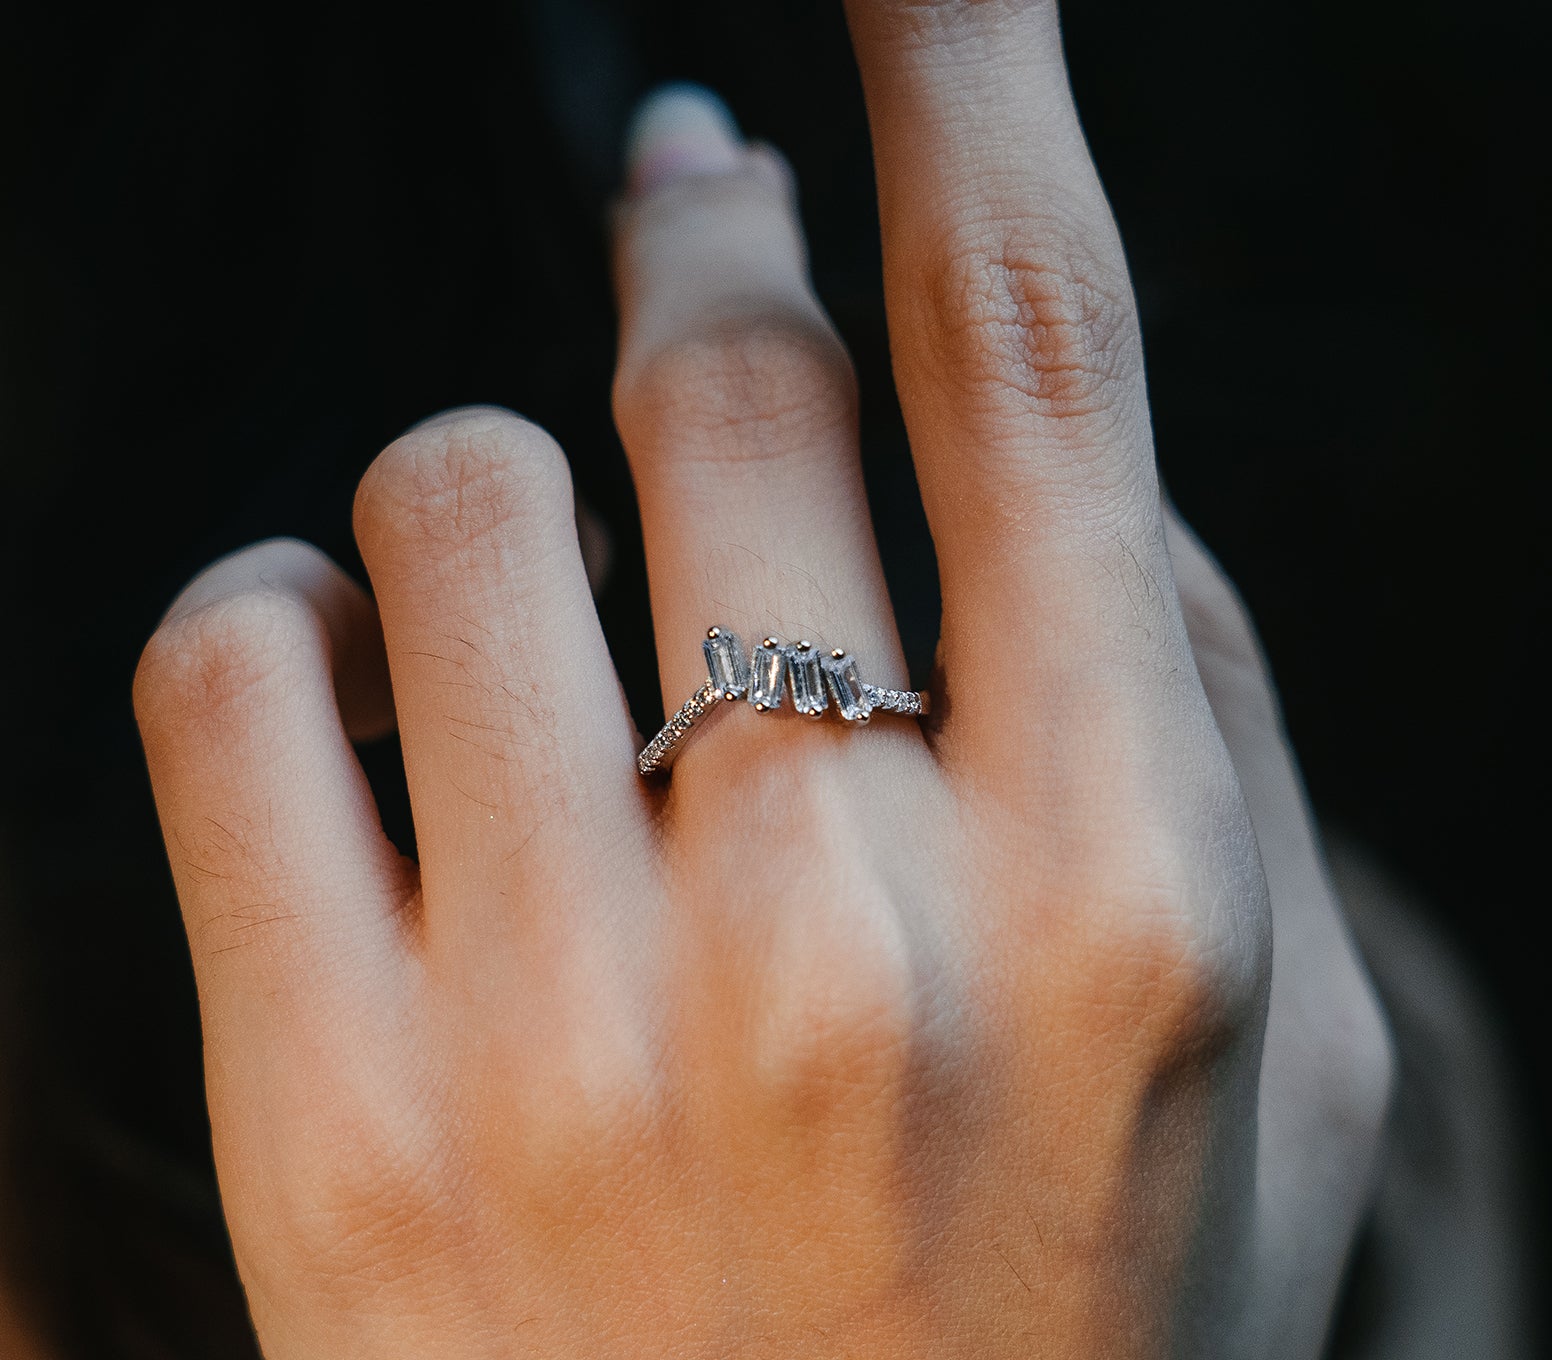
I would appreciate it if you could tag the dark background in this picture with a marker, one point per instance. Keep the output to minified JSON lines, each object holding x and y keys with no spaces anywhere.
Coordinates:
{"x":242,"y":252}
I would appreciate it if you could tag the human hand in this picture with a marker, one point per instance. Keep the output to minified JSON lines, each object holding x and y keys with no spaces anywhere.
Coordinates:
{"x":964,"y":1041}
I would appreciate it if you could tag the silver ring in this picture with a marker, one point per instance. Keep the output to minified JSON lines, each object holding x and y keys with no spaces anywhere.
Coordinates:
{"x":818,"y":682}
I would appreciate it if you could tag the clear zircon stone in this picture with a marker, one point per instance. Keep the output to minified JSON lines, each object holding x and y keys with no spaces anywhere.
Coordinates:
{"x":850,"y":697}
{"x":767,"y":675}
{"x":808,"y":690}
{"x":726,"y":663}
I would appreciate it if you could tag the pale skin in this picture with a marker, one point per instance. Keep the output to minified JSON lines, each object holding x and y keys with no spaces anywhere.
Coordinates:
{"x":1034,"y":1030}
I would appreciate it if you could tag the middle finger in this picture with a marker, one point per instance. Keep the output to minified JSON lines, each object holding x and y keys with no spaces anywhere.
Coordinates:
{"x":1017,"y":358}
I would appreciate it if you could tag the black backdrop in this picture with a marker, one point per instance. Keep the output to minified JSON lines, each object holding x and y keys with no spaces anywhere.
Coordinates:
{"x":242,"y":251}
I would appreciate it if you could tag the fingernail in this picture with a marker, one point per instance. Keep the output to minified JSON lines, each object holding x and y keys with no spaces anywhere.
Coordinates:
{"x":679,"y":130}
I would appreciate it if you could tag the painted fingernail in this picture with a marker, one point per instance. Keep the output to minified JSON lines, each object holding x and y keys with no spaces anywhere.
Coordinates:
{"x":680,"y":130}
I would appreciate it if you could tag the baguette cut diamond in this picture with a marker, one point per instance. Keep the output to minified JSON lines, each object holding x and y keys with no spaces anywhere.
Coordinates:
{"x":808,"y":687}
{"x":820,"y":682}
{"x":767,"y":675}
{"x":852,"y":701}
{"x":726,"y":663}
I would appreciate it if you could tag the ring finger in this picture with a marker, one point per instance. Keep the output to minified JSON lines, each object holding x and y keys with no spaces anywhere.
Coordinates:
{"x":736,"y":404}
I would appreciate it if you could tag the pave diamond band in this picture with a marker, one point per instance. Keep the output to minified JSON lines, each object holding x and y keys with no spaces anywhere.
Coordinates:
{"x":817,"y":681}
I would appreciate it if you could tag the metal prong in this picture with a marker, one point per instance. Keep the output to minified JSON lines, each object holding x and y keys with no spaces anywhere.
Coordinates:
{"x":838,"y":652}
{"x":759,"y":708}
{"x":805,"y":646}
{"x":770,"y":642}
{"x":729,"y":694}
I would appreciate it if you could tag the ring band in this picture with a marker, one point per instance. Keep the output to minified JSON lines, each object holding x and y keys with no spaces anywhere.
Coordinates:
{"x":818,"y":682}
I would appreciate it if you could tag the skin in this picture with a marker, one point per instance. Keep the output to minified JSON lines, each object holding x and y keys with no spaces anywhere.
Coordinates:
{"x":1035,"y":1030}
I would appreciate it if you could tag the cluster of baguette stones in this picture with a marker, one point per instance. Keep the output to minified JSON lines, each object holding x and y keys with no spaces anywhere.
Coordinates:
{"x":764,"y":677}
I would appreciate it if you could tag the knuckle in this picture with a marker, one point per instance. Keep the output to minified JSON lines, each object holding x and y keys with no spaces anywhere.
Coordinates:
{"x":748,"y":389}
{"x":1176,"y":944}
{"x":598,"y":1082}
{"x":1229,"y":968}
{"x":225,"y":656}
{"x":1032,"y":322}
{"x":462,"y":479}
{"x":833,"y":1027}
{"x":1184,"y":996}
{"x":359,"y":1187}
{"x":356,"y":1214}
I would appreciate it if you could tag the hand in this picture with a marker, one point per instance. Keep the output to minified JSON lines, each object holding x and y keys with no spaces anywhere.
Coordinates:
{"x":956,"y":1041}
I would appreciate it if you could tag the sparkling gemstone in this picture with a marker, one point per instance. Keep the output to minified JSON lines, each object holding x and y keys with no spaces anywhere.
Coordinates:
{"x":767,"y":675}
{"x":726,"y":663}
{"x":808,"y":690}
{"x":850,"y":697}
